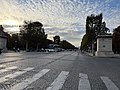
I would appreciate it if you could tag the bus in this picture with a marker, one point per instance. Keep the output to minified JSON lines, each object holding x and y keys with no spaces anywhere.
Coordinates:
{"x":54,"y":48}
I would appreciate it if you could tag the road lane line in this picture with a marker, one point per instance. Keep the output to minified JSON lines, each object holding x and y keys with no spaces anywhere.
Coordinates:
{"x":13,"y":75}
{"x":25,"y":83}
{"x":8,"y":69}
{"x":59,"y":81}
{"x":83,"y":82}
{"x":109,"y":84}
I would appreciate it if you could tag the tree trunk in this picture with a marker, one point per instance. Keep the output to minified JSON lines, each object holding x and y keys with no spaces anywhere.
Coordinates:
{"x":37,"y":47}
{"x":26,"y":46}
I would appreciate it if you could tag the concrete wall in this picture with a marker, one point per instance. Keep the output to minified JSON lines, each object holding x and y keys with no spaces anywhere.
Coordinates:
{"x":104,"y":44}
{"x":3,"y":43}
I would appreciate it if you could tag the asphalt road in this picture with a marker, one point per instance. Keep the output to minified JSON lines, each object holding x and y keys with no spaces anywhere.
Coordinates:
{"x":67,"y":70}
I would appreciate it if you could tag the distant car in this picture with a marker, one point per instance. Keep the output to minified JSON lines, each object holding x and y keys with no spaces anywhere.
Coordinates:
{"x":58,"y":49}
{"x":50,"y":50}
{"x":41,"y":50}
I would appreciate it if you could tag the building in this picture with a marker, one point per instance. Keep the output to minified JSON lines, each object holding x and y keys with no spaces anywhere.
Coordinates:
{"x":3,"y":40}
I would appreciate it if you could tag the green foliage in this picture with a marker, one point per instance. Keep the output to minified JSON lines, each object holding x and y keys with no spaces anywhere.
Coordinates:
{"x":84,"y":42}
{"x":116,"y":40}
{"x":34,"y":35}
{"x":66,"y":45}
{"x":13,"y":41}
{"x":94,"y":27}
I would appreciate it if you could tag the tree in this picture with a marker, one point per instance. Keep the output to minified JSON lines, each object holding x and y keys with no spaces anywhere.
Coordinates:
{"x":84,"y":42}
{"x":1,"y":28}
{"x":94,"y":27}
{"x":48,"y":41}
{"x":9,"y":42}
{"x":67,"y":45}
{"x":34,"y":35}
{"x":116,"y":40}
{"x":15,"y":41}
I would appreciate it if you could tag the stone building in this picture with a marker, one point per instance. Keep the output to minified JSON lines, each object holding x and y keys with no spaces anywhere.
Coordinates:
{"x":104,"y":46}
{"x":3,"y":40}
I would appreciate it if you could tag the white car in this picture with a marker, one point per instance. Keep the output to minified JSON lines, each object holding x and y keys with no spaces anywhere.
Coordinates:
{"x":50,"y":50}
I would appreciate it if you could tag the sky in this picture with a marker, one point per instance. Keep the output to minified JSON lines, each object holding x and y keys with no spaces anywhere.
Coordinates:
{"x":66,"y":18}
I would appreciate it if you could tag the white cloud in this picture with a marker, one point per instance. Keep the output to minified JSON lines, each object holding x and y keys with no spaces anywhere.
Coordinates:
{"x":61,"y":17}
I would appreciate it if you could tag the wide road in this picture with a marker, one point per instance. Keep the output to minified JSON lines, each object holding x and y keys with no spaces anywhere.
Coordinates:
{"x":68,"y":70}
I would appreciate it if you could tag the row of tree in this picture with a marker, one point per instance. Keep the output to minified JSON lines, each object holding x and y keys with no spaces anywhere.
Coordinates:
{"x":33,"y":34}
{"x":32,"y":37}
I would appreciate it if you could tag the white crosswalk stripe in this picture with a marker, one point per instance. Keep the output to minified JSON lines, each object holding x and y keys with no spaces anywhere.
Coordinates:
{"x":8,"y":69}
{"x":83,"y":82}
{"x":28,"y":81}
{"x":109,"y":84}
{"x":13,"y":75}
{"x":59,"y":81}
{"x":2,"y":66}
{"x":57,"y":84}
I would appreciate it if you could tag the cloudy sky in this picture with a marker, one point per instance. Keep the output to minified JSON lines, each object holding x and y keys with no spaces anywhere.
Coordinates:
{"x":59,"y":17}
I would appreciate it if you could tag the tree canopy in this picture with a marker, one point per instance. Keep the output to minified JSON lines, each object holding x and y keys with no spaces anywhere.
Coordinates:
{"x":94,"y":27}
{"x":116,"y":40}
{"x":67,"y":45}
{"x":34,"y":35}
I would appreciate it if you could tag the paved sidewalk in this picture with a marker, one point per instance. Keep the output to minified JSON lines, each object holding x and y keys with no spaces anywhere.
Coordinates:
{"x":91,"y":54}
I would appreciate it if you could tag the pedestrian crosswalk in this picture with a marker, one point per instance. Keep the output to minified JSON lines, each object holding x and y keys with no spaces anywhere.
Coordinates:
{"x":13,"y":75}
{"x":28,"y":81}
{"x":58,"y":82}
{"x":109,"y":84}
{"x":1,"y":66}
{"x":83,"y":82}
{"x":7,"y":69}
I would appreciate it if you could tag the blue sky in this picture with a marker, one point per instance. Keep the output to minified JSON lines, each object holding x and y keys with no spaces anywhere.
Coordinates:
{"x":60,"y":17}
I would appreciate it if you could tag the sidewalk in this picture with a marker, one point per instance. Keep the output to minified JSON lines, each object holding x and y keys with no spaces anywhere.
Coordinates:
{"x":91,"y":54}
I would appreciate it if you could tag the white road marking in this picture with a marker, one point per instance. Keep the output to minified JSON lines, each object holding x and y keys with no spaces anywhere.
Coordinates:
{"x":2,"y":66}
{"x":13,"y":75}
{"x":83,"y":82}
{"x":109,"y":84}
{"x":25,"y":83}
{"x":8,"y":69}
{"x":59,"y":81}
